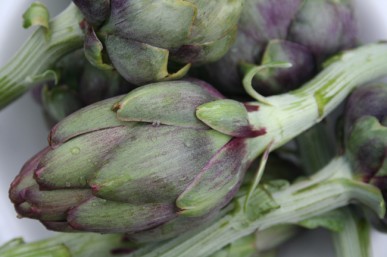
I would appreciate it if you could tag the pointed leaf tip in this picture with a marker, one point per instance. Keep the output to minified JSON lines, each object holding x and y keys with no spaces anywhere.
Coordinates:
{"x":229,"y":117}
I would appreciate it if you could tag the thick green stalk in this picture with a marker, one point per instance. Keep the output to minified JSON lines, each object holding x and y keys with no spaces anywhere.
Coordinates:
{"x":68,"y":245}
{"x":330,"y":188}
{"x":316,"y":149}
{"x":290,"y":114}
{"x":39,"y":52}
{"x":354,"y":239}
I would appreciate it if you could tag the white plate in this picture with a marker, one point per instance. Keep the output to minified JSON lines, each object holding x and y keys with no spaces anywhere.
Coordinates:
{"x":23,"y":131}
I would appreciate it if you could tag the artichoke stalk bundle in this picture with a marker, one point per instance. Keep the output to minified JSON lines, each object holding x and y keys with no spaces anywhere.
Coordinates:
{"x":170,"y":155}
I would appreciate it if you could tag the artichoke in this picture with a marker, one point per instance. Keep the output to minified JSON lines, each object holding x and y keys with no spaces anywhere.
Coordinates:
{"x":149,"y":163}
{"x":302,"y":33}
{"x":78,"y":84}
{"x":141,"y":38}
{"x":365,"y":135}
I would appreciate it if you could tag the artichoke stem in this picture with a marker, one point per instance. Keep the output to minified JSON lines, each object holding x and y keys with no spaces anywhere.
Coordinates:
{"x":290,"y":114}
{"x":39,"y":53}
{"x":332,"y":187}
{"x":354,"y":239}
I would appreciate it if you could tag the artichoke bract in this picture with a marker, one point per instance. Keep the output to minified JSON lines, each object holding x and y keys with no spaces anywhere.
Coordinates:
{"x":366,"y":135}
{"x":147,"y":163}
{"x":140,"y":38}
{"x":302,"y":33}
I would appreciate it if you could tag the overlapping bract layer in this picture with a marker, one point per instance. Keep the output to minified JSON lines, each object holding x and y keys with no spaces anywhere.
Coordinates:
{"x":140,"y":162}
{"x":302,"y":33}
{"x":142,"y":36}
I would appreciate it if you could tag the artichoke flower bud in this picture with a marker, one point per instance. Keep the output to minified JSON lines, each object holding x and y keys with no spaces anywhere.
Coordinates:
{"x":302,"y":33}
{"x":366,"y":136}
{"x":155,"y":161}
{"x":141,"y":38}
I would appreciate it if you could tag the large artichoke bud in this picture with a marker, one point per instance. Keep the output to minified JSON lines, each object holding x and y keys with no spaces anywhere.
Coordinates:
{"x":300,"y":32}
{"x":366,"y":135}
{"x":149,"y":163}
{"x":78,"y":84}
{"x":142,"y":37}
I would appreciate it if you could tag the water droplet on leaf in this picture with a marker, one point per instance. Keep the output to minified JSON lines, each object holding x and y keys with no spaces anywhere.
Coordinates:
{"x":75,"y":150}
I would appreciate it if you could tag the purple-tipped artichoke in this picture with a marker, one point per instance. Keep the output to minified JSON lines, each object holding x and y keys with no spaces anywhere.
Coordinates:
{"x":300,"y":32}
{"x":140,"y":38}
{"x":366,"y":135}
{"x":153,"y":164}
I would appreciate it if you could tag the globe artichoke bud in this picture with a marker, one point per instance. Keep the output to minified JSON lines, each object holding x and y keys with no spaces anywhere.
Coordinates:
{"x":366,"y":135}
{"x":302,"y":33}
{"x":149,"y":163}
{"x":78,"y":84}
{"x":141,"y":38}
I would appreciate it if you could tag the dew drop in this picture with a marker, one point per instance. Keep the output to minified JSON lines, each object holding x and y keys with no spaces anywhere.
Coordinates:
{"x":75,"y":150}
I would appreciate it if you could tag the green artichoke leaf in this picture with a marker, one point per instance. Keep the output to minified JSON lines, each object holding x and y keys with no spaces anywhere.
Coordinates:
{"x":162,"y":159}
{"x":99,"y":215}
{"x":200,"y":53}
{"x":37,"y":15}
{"x":216,"y":182}
{"x":93,"y":48}
{"x":48,"y":75}
{"x":91,"y":118}
{"x":162,"y":23}
{"x":227,"y":116}
{"x":216,"y":19}
{"x":169,"y":103}
{"x":73,"y":163}
{"x":51,"y":205}
{"x":139,"y":62}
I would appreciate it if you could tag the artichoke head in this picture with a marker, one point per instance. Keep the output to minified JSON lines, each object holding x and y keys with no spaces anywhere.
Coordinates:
{"x":150,"y":164}
{"x":302,"y":33}
{"x":365,"y":136}
{"x":141,"y":38}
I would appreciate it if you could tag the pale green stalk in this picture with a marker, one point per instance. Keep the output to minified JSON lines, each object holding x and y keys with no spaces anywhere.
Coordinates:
{"x":354,"y":238}
{"x":38,"y":54}
{"x":290,"y":114}
{"x":67,"y":245}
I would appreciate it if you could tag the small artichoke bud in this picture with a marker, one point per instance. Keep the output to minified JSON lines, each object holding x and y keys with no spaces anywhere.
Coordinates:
{"x":140,"y":39}
{"x":142,"y":163}
{"x":302,"y":33}
{"x":366,"y":132}
{"x":365,"y":136}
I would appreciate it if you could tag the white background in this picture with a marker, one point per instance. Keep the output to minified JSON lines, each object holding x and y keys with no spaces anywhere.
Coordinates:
{"x":23,"y":131}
